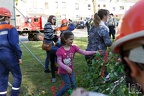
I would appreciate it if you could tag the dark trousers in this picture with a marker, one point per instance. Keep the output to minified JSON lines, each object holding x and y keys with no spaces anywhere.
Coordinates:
{"x":53,"y":58}
{"x":9,"y":63}
{"x":112,"y":31}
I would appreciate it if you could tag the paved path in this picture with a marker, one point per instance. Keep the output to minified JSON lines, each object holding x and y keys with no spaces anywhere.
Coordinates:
{"x":77,"y":33}
{"x":80,"y":33}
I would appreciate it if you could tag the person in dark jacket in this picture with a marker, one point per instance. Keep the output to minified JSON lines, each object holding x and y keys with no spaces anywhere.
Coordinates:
{"x":48,"y":37}
{"x":99,"y":34}
{"x":112,"y":23}
{"x":71,"y":25}
{"x":53,"y":57}
{"x":89,"y":24}
{"x":66,"y":25}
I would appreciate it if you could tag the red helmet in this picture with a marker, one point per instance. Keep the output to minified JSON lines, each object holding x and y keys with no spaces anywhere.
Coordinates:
{"x":131,"y":26}
{"x":64,"y":21}
{"x":5,"y":12}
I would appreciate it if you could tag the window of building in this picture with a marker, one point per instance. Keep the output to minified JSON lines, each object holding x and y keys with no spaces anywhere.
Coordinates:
{"x":121,"y":7}
{"x":76,"y":6}
{"x":113,"y":8}
{"x":56,"y":3}
{"x":35,"y":19}
{"x":46,"y":5}
{"x":104,"y":5}
{"x":89,"y":6}
{"x":98,"y":5}
{"x":63,"y":5}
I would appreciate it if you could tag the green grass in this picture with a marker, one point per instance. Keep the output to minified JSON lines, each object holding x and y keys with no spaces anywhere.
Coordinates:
{"x":37,"y":83}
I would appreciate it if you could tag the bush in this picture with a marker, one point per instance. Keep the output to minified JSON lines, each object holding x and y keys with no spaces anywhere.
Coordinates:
{"x":93,"y":77}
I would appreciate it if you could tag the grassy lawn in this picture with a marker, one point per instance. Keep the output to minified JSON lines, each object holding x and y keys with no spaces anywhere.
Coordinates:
{"x":37,"y":83}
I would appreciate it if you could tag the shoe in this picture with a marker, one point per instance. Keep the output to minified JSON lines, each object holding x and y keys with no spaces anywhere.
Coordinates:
{"x":47,"y":71}
{"x":53,"y":80}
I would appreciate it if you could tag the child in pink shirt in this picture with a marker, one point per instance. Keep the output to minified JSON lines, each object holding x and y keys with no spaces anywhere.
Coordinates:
{"x":65,"y":56}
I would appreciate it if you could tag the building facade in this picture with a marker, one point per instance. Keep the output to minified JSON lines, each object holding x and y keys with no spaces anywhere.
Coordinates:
{"x":73,"y":9}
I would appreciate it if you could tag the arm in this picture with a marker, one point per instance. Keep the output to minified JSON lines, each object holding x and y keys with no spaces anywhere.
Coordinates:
{"x":71,"y":27}
{"x":60,"y":63}
{"x":106,"y":38}
{"x":87,"y":52}
{"x":13,"y":38}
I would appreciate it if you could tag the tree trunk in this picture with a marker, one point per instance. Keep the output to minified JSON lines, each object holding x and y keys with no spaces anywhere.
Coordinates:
{"x":94,"y":5}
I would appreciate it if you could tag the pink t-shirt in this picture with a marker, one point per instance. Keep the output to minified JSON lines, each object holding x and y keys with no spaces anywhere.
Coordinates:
{"x":65,"y":57}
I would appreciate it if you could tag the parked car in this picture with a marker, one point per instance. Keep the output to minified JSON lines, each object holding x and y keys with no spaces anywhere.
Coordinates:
{"x":80,"y":24}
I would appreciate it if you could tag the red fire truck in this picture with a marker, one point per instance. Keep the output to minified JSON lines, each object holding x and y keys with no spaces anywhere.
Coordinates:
{"x":33,"y":26}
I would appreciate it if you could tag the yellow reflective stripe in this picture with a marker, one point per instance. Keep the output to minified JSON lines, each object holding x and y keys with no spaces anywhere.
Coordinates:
{"x":3,"y":92}
{"x":15,"y":88}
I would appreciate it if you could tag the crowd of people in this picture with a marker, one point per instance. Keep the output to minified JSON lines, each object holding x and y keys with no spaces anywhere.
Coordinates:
{"x":128,"y":44}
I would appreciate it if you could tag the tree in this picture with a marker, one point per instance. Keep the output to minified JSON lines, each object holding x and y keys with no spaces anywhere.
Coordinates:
{"x":94,"y":5}
{"x":16,"y":1}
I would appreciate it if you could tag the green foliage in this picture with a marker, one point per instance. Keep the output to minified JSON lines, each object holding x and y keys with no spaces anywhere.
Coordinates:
{"x":16,"y":1}
{"x":93,"y":80}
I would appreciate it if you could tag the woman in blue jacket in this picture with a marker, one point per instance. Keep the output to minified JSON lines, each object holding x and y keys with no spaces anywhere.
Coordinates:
{"x":99,"y":34}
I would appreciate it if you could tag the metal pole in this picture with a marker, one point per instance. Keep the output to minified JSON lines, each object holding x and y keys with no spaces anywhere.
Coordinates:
{"x":14,"y":12}
{"x":25,"y":45}
{"x":32,"y":53}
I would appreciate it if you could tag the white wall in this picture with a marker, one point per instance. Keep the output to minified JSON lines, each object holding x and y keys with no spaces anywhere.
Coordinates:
{"x":37,"y":7}
{"x":10,"y":5}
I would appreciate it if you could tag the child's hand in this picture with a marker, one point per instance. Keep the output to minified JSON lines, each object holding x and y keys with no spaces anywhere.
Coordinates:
{"x":69,"y":70}
{"x":100,"y":51}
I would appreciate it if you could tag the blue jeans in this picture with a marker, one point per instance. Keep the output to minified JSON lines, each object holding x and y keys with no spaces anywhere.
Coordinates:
{"x":47,"y":56}
{"x":69,"y":82}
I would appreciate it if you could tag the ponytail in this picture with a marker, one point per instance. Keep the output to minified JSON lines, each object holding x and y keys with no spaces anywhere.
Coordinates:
{"x":96,"y":20}
{"x":99,"y":16}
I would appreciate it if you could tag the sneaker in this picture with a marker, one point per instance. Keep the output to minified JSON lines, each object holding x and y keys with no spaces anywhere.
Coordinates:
{"x":53,"y":80}
{"x":47,"y":71}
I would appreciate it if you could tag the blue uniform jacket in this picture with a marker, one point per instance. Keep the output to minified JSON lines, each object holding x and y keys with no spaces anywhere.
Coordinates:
{"x":9,"y":40}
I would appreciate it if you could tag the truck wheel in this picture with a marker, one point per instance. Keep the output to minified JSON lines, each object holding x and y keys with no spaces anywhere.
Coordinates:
{"x":24,"y":34}
{"x":30,"y":37}
{"x":40,"y":36}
